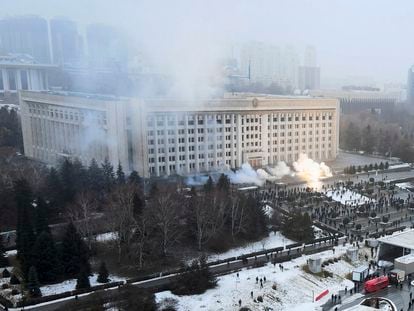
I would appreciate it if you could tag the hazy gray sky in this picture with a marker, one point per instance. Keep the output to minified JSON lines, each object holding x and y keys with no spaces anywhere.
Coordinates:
{"x":352,"y":37}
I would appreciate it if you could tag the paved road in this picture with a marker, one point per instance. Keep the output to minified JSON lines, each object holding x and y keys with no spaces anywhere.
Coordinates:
{"x":399,"y":297}
{"x":216,"y":270}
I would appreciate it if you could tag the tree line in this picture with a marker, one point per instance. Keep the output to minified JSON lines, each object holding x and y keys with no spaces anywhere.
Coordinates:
{"x":146,"y":226}
{"x":366,"y":168}
{"x":10,"y":129}
{"x":390,"y":133}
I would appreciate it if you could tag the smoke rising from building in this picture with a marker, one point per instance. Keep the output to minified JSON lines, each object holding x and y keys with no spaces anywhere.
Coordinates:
{"x":304,"y":168}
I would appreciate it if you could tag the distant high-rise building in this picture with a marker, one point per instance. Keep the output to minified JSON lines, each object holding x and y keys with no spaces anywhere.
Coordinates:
{"x":309,"y":78}
{"x":310,"y":56}
{"x":25,"y":35}
{"x":410,"y":86}
{"x":66,"y":42}
{"x":268,"y":64}
{"x":309,"y":73}
{"x":107,"y":47}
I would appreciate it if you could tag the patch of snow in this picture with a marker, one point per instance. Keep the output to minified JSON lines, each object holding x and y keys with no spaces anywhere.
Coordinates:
{"x":346,"y":196}
{"x":295,"y":289}
{"x":105,"y":237}
{"x":268,"y":210}
{"x":275,"y":239}
{"x":395,"y":166}
{"x":12,"y":252}
{"x":70,"y":285}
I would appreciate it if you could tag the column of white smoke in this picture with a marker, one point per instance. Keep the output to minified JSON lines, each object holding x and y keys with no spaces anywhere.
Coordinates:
{"x":311,"y":170}
{"x":280,"y":170}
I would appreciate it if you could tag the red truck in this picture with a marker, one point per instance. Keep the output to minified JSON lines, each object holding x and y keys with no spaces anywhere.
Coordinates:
{"x":376,"y":284}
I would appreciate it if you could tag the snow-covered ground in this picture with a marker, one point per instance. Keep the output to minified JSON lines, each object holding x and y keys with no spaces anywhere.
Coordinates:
{"x":105,"y":237}
{"x":295,"y":288}
{"x":346,"y":196}
{"x":13,"y":252}
{"x":275,"y":239}
{"x":69,"y":285}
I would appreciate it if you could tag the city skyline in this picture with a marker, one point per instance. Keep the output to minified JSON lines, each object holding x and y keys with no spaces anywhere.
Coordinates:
{"x":352,"y":38}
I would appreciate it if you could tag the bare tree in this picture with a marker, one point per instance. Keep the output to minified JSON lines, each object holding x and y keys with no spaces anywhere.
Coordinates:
{"x":201,"y":216}
{"x":83,"y":214}
{"x":141,"y":236}
{"x":165,"y":218}
{"x":237,"y":215}
{"x":121,"y":216}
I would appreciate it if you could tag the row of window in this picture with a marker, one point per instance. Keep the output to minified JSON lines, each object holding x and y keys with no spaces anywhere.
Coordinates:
{"x":227,"y":119}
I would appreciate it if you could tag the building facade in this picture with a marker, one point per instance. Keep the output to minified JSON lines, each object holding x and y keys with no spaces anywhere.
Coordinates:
{"x":358,"y":101}
{"x":166,"y":137}
{"x":18,"y":72}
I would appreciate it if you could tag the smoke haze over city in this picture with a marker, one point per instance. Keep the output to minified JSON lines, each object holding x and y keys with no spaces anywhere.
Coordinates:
{"x":366,"y":39}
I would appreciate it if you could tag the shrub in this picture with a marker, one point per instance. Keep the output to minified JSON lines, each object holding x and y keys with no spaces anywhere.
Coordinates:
{"x":373,"y":214}
{"x":6,"y":273}
{"x":195,"y":280}
{"x":5,"y":286}
{"x":14,"y":280}
{"x":260,"y":299}
{"x":358,"y":227}
{"x":15,"y":292}
{"x":274,"y":287}
{"x":103,"y":274}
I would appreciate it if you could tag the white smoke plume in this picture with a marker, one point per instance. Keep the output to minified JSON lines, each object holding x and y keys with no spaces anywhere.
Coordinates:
{"x":311,"y":170}
{"x":304,"y":168}
{"x":245,"y":175}
{"x":280,"y":170}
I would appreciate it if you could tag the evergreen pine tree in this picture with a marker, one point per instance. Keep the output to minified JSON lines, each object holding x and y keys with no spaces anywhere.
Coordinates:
{"x":108,"y":174}
{"x":25,"y":237}
{"x":82,"y":281}
{"x":103,"y":273}
{"x":14,"y":280}
{"x":45,"y":258}
{"x":54,"y":190}
{"x":381,"y":166}
{"x":6,"y":273}
{"x":376,"y":166}
{"x":223,"y":183}
{"x":154,"y":190}
{"x":95,"y":176}
{"x":3,"y":259}
{"x":67,"y":178}
{"x":138,"y":205}
{"x":74,"y":254}
{"x":387,"y":165}
{"x":41,"y":216}
{"x":120,"y":175}
{"x":208,"y":186}
{"x":33,"y":283}
{"x":134,"y":178}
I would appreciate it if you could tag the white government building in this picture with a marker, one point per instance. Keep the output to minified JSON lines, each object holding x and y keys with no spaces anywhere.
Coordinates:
{"x":166,"y":137}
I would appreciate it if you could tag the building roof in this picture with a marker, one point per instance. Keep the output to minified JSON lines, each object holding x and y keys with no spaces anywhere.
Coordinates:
{"x":407,"y":259}
{"x":402,"y":239}
{"x":22,"y":61}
